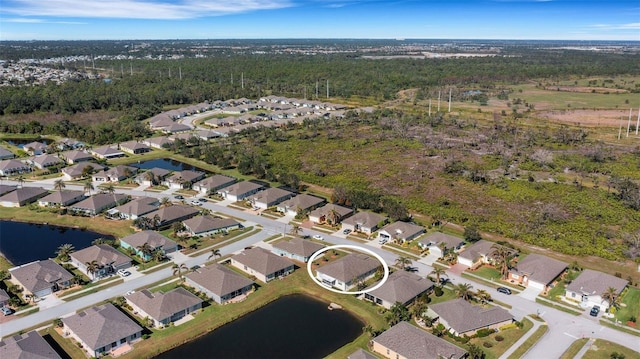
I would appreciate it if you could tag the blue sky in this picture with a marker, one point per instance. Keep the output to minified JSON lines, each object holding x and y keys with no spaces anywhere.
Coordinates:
{"x":240,"y":19}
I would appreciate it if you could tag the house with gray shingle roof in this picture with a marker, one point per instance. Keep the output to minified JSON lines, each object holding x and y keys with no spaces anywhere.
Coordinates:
{"x":164,"y":308}
{"x":407,"y":341}
{"x":4,"y":189}
{"x":101,"y":329}
{"x":361,"y":354}
{"x":270,"y":197}
{"x":81,"y":170}
{"x":537,"y":271}
{"x":175,"y":128}
{"x":220,"y":283}
{"x":478,"y":253}
{"x":212,"y":184}
{"x":41,"y":278}
{"x":345,"y":273}
{"x":106,"y":152}
{"x":239,"y":191}
{"x":155,"y":240}
{"x":29,"y":345}
{"x":134,"y":147}
{"x":207,"y":225}
{"x":365,"y":222}
{"x":99,"y":203}
{"x":400,"y":231}
{"x":170,"y":214}
{"x":75,"y":156}
{"x":22,"y":196}
{"x":158,"y":142}
{"x":136,"y":208}
{"x":4,"y":298}
{"x":109,"y":260}
{"x":115,"y":174}
{"x":262,"y":264}
{"x":5,"y":154}
{"x":35,"y":148}
{"x":300,"y":204}
{"x":13,"y":167}
{"x":183,"y":179}
{"x":462,"y":318}
{"x":588,"y":287}
{"x":45,"y":160}
{"x":400,"y":287}
{"x":436,"y":241}
{"x":296,"y":248}
{"x":152,"y":176}
{"x":61,"y":198}
{"x":326,"y":213}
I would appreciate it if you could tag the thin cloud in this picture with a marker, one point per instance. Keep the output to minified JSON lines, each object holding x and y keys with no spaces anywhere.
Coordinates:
{"x":630,"y":26}
{"x":42,"y":21}
{"x":138,"y":9}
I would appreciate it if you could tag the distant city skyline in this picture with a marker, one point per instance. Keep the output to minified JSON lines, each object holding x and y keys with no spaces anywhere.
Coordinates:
{"x":365,"y":19}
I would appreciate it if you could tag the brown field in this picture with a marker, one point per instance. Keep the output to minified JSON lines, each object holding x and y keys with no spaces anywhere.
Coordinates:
{"x":585,"y":89}
{"x":591,"y":118}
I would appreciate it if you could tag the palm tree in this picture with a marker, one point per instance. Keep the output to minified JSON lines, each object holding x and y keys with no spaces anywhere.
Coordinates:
{"x":368,"y":329}
{"x":165,"y":202}
{"x":59,"y":185}
{"x":146,"y":250}
{"x":92,"y":268}
{"x":178,"y":269}
{"x":64,"y":251}
{"x":20,"y":180}
{"x":463,"y":290}
{"x":483,"y":296}
{"x":149,"y":176}
{"x":215,"y":253}
{"x":504,"y":259}
{"x":176,"y":227}
{"x":611,"y":296}
{"x":88,"y":187}
{"x":439,"y":272}
{"x":475,"y":352}
{"x":443,"y":249}
{"x":295,"y":230}
{"x":403,"y":262}
{"x":158,"y":255}
{"x":397,"y":314}
{"x":334,"y":215}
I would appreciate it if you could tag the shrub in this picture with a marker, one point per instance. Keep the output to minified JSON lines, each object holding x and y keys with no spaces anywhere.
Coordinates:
{"x":499,"y":338}
{"x":487,"y":344}
{"x":484,"y":332}
{"x":145,"y":336}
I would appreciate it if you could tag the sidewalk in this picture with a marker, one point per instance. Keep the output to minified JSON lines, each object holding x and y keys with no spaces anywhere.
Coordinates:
{"x":585,"y":348}
{"x":516,"y":345}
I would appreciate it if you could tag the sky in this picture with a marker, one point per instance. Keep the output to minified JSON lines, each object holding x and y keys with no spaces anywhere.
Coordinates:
{"x":357,"y":19}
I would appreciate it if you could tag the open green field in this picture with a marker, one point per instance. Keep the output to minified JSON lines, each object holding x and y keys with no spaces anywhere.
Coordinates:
{"x":562,"y":100}
{"x":602,"y":349}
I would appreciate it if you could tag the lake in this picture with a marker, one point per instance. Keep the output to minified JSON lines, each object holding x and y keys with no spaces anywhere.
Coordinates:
{"x":20,"y":142}
{"x":167,"y":164}
{"x":295,"y":326}
{"x":23,"y":242}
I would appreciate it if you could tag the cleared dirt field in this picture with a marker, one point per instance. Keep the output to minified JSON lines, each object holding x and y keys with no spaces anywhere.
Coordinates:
{"x":594,"y":118}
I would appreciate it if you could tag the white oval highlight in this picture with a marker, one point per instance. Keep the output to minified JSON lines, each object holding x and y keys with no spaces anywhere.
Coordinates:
{"x":357,"y":248}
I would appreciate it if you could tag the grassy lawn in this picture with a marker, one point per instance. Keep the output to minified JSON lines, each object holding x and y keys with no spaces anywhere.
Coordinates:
{"x":602,"y":349}
{"x":93,"y":290}
{"x":67,"y":345}
{"x":558,"y":307}
{"x":575,"y":347}
{"x":510,"y":336}
{"x":5,"y":264}
{"x":630,"y":306}
{"x":608,"y":323}
{"x":215,"y":316}
{"x":530,"y":342}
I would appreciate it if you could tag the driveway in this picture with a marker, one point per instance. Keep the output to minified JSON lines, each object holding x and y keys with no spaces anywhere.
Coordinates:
{"x":530,"y":293}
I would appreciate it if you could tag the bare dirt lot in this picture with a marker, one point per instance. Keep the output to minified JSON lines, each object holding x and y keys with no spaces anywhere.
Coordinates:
{"x":608,"y":118}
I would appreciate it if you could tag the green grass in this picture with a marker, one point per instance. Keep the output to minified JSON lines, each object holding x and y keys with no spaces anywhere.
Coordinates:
{"x":602,"y":349}
{"x":92,"y":290}
{"x":608,"y":323}
{"x":630,"y":305}
{"x":577,"y":100}
{"x":558,"y":307}
{"x":67,"y":345}
{"x":511,"y":336}
{"x":529,"y":343}
{"x":574,"y":348}
{"x":489,"y":277}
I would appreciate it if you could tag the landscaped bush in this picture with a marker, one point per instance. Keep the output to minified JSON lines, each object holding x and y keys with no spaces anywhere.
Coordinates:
{"x":499,"y":338}
{"x":484,"y":332}
{"x":487,"y":344}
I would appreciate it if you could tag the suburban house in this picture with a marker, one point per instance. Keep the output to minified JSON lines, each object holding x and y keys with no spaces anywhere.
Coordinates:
{"x":136,"y":208}
{"x":170,"y":214}
{"x":365,"y":222}
{"x":330,"y":213}
{"x":207,"y":225}
{"x":220,"y":283}
{"x":400,"y":287}
{"x":400,"y":231}
{"x":270,"y":197}
{"x":4,"y":189}
{"x":175,"y":128}
{"x":69,"y":144}
{"x":189,"y":138}
{"x":5,"y":154}
{"x":183,"y":179}
{"x":101,"y":329}
{"x":462,"y":318}
{"x":98,"y":203}
{"x":41,"y":278}
{"x":158,"y":142}
{"x":297,"y":248}
{"x":212,"y":184}
{"x":437,"y":241}
{"x":345,"y":273}
{"x":588,"y":287}
{"x":155,"y":240}
{"x":299,"y":204}
{"x":407,"y":341}
{"x":27,"y":345}
{"x":164,"y":308}
{"x":134,"y":147}
{"x":81,"y":170}
{"x":262,"y":264}
{"x":207,"y":135}
{"x":115,"y":174}
{"x":361,"y":354}
{"x":152,"y":177}
{"x":22,"y":196}
{"x":109,"y":260}
{"x":4,"y":298}
{"x":73,"y":157}
{"x":240,"y":190}
{"x":61,"y":198}
{"x":478,"y":253}
{"x":13,"y":167}
{"x":537,"y":271}
{"x":43,"y":161}
{"x":106,"y":152}
{"x":35,"y":148}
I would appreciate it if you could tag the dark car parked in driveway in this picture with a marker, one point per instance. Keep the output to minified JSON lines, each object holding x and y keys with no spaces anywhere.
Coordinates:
{"x":504,"y":290}
{"x":594,"y":311}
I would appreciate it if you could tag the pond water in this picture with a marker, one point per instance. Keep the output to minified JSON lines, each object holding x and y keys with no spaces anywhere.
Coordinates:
{"x":167,"y":164}
{"x":294,"y":326}
{"x":23,"y":242}
{"x":21,"y":141}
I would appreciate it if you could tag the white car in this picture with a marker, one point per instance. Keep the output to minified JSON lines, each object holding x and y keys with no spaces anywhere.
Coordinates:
{"x":130,"y":292}
{"x":318,"y":237}
{"x":123,"y":273}
{"x":195,"y":203}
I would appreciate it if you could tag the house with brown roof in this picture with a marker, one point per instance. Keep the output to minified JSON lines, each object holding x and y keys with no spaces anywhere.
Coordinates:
{"x":588,"y":287}
{"x":45,"y":160}
{"x":4,"y":189}
{"x":346,"y":272}
{"x":183,"y":179}
{"x":155,"y":240}
{"x":462,"y":318}
{"x":29,"y":345}
{"x":35,"y":148}
{"x":5,"y":154}
{"x":22,"y":196}
{"x":101,"y":329}
{"x":106,"y":152}
{"x":134,"y":147}
{"x":61,"y":198}
{"x":212,"y":184}
{"x":262,"y":264}
{"x":400,"y":287}
{"x":158,"y":142}
{"x":270,"y":197}
{"x":330,"y":213}
{"x":75,"y":156}
{"x":400,"y":231}
{"x":40,"y":278}
{"x":13,"y":167}
{"x":207,"y":225}
{"x":81,"y":170}
{"x":365,"y":222}
{"x":98,"y":203}
{"x":207,"y":135}
{"x":115,"y":174}
{"x":300,"y":204}
{"x":109,"y":260}
{"x":164,"y":308}
{"x":152,"y":176}
{"x":220,"y":283}
{"x":136,"y":208}
{"x":537,"y":271}
{"x":436,"y":242}
{"x":478,"y":253}
{"x":406,"y":341}
{"x":240,"y":190}
{"x":175,"y":128}
{"x":296,"y":248}
{"x":170,"y":214}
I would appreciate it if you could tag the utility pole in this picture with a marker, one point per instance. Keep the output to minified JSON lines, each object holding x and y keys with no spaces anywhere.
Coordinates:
{"x":327,"y":88}
{"x":242,"y":79}
{"x":620,"y":129}
{"x":629,"y":123}
{"x":449,"y":100}
{"x":429,"y":107}
{"x":316,"y":89}
{"x":638,"y":123}
{"x":439,"y":100}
